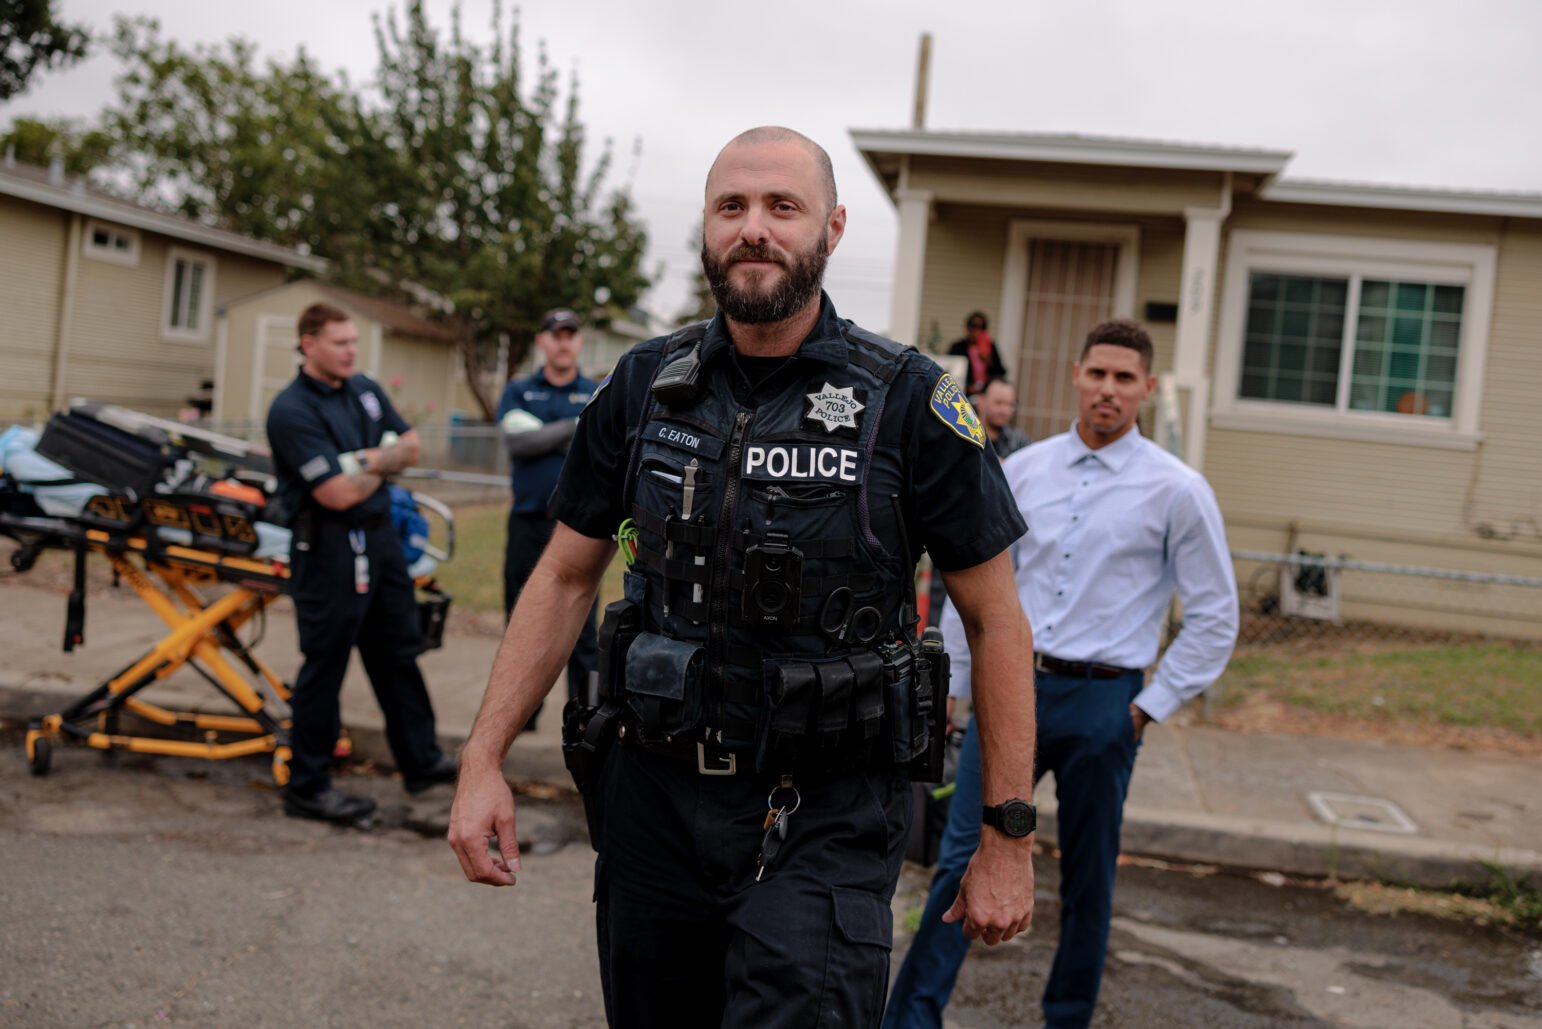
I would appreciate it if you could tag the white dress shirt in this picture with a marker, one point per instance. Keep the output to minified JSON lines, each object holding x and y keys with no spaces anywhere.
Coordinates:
{"x":1112,"y":533}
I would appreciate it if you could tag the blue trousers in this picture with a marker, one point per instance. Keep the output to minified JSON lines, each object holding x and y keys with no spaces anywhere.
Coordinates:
{"x":1087,"y":739}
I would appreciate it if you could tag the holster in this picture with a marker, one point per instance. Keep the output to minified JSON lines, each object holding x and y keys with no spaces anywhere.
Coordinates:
{"x":587,"y":736}
{"x":930,"y":708}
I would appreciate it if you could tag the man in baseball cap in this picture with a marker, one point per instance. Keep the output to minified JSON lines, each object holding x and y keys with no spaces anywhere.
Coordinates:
{"x":537,"y":416}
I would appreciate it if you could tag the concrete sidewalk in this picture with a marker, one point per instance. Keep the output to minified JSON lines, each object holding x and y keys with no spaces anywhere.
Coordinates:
{"x":1295,"y":804}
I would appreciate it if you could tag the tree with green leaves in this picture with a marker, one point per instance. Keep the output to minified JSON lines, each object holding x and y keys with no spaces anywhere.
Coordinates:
{"x":33,"y":38}
{"x":450,"y":177}
{"x":40,"y":140}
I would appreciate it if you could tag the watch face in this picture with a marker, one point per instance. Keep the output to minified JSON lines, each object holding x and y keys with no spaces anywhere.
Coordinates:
{"x":1017,"y":818}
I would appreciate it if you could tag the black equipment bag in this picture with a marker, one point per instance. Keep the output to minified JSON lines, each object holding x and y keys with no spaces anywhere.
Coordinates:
{"x":105,"y":454}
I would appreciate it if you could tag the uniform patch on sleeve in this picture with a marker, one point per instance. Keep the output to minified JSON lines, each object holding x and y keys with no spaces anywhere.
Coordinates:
{"x":955,"y":411}
{"x":598,"y":390}
{"x":315,"y":468}
{"x":371,"y":405}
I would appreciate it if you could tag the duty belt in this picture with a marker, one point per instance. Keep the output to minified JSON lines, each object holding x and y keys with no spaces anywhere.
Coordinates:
{"x":1079,"y":669}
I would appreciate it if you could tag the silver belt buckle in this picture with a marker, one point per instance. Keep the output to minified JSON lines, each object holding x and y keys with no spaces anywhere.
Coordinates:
{"x":718,"y":768}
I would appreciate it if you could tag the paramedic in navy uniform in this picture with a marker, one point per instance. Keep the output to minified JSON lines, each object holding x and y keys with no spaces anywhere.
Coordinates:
{"x":537,"y":416}
{"x":702,"y":919}
{"x":331,"y":435}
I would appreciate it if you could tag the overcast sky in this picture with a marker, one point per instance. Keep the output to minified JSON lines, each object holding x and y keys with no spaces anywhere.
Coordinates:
{"x":1421,"y":92}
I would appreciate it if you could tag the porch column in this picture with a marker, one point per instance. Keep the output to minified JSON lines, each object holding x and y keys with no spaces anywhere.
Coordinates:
{"x":1196,"y":315}
{"x":915,"y":212}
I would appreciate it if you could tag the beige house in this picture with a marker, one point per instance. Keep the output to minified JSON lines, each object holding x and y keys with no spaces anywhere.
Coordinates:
{"x":414,"y":359}
{"x":109,"y":300}
{"x":1355,"y":368}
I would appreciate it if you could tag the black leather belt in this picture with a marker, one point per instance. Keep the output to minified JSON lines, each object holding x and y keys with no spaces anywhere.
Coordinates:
{"x":1079,"y":669}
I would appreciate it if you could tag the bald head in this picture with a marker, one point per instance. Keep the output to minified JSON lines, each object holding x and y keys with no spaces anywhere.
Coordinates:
{"x":778,"y":134}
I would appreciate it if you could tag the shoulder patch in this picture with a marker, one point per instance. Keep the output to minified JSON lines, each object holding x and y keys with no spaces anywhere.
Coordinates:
{"x":598,"y":390}
{"x":955,"y":411}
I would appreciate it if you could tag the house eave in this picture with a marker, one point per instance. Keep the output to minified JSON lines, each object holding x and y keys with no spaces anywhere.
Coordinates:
{"x":135,"y":217}
{"x":1067,"y":149}
{"x":1402,"y":198}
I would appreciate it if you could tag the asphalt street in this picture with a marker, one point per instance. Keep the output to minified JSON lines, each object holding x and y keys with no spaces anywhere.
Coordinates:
{"x":143,"y":891}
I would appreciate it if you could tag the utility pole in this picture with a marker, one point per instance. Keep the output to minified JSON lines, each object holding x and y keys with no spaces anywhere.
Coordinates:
{"x":923,"y":74}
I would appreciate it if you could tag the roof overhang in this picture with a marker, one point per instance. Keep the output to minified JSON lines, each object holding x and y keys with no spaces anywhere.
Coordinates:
{"x":1065,"y":149}
{"x":79,"y":201}
{"x":1403,"y":198}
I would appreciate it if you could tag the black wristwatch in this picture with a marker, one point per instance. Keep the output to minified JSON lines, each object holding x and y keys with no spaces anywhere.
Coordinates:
{"x":1015,"y":818}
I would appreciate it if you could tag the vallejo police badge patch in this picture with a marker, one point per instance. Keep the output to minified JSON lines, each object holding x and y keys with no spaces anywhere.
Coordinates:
{"x":834,"y":407}
{"x":956,"y":412}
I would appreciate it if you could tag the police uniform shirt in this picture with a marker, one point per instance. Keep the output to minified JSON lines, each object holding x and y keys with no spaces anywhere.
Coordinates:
{"x":535,"y":479}
{"x":311,"y":423}
{"x":956,"y":502}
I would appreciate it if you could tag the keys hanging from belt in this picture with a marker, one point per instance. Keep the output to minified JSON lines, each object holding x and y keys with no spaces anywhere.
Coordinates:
{"x":775,"y":825}
{"x":360,"y":561}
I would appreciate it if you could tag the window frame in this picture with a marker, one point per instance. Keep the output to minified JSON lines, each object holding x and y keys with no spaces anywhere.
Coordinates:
{"x":1471,"y":266}
{"x":204,"y":332}
{"x":88,"y":248}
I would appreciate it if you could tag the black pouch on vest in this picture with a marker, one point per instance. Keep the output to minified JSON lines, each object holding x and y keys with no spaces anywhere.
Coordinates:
{"x":620,"y":626}
{"x":867,"y":704}
{"x":836,"y":680}
{"x":899,"y":694}
{"x":933,"y":670}
{"x":791,"y":691}
{"x":664,"y":684}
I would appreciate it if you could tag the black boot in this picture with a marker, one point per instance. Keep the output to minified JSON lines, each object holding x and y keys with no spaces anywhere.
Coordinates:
{"x":330,"y":805}
{"x":442,"y":771}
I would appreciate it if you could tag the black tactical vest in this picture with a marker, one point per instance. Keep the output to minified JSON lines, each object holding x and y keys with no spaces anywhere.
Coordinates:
{"x":753,"y":525}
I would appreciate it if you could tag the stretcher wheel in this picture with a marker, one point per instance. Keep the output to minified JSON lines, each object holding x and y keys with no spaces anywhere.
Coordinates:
{"x":40,"y":755}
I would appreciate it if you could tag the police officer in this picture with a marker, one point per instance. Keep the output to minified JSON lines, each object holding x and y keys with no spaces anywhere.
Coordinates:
{"x":331,"y":435}
{"x":537,"y":416}
{"x":782,"y":469}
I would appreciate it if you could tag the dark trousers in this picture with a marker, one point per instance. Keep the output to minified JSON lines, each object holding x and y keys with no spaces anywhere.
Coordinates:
{"x":688,"y":937}
{"x":1085,"y":738}
{"x":383,"y":623}
{"x":528,"y":536}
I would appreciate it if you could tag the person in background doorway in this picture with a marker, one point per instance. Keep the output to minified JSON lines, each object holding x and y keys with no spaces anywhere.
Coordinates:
{"x":977,"y":346}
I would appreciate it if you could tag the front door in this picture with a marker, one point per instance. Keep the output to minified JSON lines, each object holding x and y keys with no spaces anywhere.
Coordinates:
{"x":1071,"y":287}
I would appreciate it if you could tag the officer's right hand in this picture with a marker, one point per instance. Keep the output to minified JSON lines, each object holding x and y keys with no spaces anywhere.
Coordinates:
{"x":482,"y":826}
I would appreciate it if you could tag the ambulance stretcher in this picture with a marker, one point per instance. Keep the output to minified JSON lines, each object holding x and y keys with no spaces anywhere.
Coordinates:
{"x":189,"y":538}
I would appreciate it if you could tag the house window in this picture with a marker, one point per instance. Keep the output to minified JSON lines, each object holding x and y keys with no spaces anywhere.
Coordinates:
{"x":111,"y":243}
{"x":189,"y":295}
{"x":1354,"y":338}
{"x":1399,"y":350}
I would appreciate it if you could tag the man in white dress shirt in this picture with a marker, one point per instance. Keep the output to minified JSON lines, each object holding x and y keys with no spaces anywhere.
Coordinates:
{"x":1116,"y":525}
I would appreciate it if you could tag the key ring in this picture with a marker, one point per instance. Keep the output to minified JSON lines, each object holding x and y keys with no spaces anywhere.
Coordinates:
{"x":797,"y":799}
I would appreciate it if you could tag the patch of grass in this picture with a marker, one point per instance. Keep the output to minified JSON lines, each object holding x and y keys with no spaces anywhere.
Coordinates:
{"x":1521,"y":897}
{"x":474,"y":577}
{"x":1467,"y":684}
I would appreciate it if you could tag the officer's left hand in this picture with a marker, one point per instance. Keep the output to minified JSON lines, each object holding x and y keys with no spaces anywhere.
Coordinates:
{"x":482,"y":825}
{"x":995,"y":898}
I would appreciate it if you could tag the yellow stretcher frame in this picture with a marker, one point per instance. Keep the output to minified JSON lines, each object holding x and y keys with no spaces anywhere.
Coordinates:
{"x":202,"y":633}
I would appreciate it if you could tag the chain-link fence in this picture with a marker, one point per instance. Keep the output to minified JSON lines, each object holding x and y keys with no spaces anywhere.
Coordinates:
{"x":1339,"y":638}
{"x":1309,"y":601}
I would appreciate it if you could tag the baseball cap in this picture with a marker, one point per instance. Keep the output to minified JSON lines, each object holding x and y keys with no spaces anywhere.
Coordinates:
{"x":559,"y":318}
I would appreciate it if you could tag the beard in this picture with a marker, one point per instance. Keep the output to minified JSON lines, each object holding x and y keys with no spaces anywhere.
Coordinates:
{"x":750,"y":305}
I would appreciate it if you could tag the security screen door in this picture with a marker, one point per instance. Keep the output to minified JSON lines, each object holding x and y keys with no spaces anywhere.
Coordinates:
{"x":1070,"y":289}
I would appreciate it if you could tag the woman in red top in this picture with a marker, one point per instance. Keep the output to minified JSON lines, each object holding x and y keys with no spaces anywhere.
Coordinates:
{"x":984,"y":360}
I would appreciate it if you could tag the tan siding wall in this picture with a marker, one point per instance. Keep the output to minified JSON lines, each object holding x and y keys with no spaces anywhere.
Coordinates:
{"x":964,"y":251}
{"x":118,"y":352}
{"x":1158,"y":280}
{"x":32,"y":243}
{"x":424,"y":367}
{"x":1413,"y":505}
{"x":1060,"y":187}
